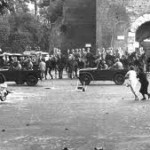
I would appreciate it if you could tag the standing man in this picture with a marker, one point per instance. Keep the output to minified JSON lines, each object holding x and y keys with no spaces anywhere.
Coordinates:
{"x":70,"y":66}
{"x":131,"y":75}
{"x":18,"y":67}
{"x":89,"y":57}
{"x":144,"y":84}
{"x":42,"y":67}
{"x":49,"y":67}
{"x":61,"y":62}
{"x":118,"y":64}
{"x":29,"y":64}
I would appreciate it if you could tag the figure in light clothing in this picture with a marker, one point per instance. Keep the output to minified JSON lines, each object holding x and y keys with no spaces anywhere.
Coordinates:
{"x":118,"y":64}
{"x":42,"y":67}
{"x":131,"y":75}
{"x":18,"y":67}
{"x":29,"y":64}
{"x":3,"y":89}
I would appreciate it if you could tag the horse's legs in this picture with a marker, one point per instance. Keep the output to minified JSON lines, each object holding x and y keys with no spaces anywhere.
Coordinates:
{"x":70,"y":73}
{"x":55,"y":69}
{"x":42,"y":74}
{"x":60,"y":73}
{"x":46,"y":73}
{"x":75,"y":71}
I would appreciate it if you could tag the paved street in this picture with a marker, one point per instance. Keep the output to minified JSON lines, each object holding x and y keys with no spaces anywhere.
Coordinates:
{"x":54,"y":115}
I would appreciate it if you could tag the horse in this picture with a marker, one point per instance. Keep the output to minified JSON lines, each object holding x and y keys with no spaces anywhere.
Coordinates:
{"x":61,"y":63}
{"x":51,"y":64}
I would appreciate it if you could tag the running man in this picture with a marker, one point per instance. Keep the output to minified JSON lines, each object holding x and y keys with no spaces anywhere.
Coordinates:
{"x":131,"y":75}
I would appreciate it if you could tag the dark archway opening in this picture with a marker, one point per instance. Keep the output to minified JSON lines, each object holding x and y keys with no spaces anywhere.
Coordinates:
{"x":143,"y":37}
{"x":143,"y":33}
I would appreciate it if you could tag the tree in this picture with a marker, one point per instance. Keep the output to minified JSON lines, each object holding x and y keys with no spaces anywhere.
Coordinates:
{"x":3,"y":6}
{"x":51,"y":10}
{"x":4,"y":31}
{"x":23,"y":28}
{"x":26,"y":26}
{"x":35,"y":6}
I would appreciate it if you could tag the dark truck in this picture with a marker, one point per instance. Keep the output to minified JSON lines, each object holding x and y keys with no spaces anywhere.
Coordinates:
{"x":31,"y":77}
{"x":87,"y":75}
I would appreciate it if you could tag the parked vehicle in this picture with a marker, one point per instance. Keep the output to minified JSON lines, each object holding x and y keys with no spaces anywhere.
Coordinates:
{"x":8,"y":59}
{"x":87,"y":75}
{"x":31,"y":77}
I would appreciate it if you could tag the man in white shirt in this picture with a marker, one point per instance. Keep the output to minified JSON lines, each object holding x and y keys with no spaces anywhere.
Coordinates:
{"x":29,"y":64}
{"x":118,"y":64}
{"x":3,"y":89}
{"x":18,"y":67}
{"x":42,"y":67}
{"x":131,"y":75}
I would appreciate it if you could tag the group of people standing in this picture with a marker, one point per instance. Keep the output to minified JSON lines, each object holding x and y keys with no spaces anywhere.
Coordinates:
{"x":76,"y":59}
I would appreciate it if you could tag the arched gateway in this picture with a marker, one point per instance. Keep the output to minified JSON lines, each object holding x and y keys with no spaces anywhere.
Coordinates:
{"x":139,"y":35}
{"x":139,"y":32}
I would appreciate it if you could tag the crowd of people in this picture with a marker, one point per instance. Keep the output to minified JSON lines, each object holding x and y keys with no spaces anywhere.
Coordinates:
{"x":17,"y":62}
{"x":74,"y":60}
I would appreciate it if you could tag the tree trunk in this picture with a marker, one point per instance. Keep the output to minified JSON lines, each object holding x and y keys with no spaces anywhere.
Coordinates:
{"x":35,"y":7}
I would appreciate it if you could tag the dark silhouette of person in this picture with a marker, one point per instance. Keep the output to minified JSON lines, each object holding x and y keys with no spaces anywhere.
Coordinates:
{"x":144,"y":83}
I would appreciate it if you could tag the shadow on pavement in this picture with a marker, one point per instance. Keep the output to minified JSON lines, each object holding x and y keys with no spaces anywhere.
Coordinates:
{"x":23,"y":85}
{"x":6,"y":103}
{"x":132,"y":101}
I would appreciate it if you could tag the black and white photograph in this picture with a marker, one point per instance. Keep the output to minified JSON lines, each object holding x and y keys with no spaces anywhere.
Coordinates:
{"x":74,"y":74}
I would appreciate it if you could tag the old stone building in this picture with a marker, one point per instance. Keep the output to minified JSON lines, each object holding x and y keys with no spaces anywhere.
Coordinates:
{"x":106,"y":23}
{"x":123,"y":23}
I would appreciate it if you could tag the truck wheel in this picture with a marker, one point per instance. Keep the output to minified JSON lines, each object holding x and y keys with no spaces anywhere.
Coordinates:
{"x":119,"y":79}
{"x":85,"y":79}
{"x":31,"y":80}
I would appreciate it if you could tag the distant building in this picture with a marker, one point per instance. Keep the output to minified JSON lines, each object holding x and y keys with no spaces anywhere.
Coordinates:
{"x":123,"y":23}
{"x":106,"y":23}
{"x":79,"y":24}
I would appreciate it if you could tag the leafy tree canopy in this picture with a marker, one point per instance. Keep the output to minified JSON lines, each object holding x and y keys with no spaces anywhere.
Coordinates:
{"x":19,"y":27}
{"x":51,"y":10}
